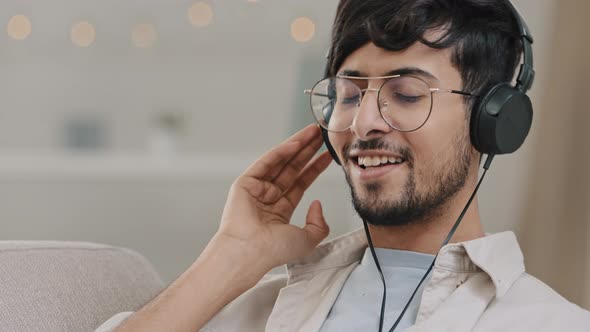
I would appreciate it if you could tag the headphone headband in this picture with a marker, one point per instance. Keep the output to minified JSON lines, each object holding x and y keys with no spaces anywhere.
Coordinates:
{"x":526,"y":75}
{"x":502,"y":119}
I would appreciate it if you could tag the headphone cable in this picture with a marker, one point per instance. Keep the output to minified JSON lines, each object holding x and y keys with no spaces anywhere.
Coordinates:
{"x":486,"y":166}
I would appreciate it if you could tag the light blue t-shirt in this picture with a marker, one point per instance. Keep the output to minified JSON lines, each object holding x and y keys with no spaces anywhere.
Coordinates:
{"x":358,"y":305}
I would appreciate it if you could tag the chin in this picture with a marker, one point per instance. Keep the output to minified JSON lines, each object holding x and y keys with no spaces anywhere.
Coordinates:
{"x":383,"y":188}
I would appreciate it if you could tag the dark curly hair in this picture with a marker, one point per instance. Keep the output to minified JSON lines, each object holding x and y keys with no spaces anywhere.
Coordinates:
{"x":483,"y":34}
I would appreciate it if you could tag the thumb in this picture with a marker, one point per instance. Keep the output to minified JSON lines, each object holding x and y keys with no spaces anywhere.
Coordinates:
{"x":315,"y":227}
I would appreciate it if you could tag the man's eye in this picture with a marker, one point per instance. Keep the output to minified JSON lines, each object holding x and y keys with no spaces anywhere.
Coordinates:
{"x":407,"y":99}
{"x":349,"y":100}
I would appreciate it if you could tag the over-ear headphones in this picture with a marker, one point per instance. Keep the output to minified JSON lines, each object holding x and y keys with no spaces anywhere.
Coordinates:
{"x":502,"y":118}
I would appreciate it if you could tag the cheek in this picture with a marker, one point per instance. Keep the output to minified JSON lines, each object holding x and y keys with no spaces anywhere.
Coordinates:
{"x":435,"y":142}
{"x":338,"y":141}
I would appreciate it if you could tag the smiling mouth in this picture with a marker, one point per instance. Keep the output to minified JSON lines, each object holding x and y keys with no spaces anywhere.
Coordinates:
{"x":376,"y":161}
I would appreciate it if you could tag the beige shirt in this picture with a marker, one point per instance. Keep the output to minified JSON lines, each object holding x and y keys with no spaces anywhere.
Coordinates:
{"x":478,"y":285}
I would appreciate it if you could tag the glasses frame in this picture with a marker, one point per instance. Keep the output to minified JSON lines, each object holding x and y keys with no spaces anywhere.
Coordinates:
{"x":387,"y":79}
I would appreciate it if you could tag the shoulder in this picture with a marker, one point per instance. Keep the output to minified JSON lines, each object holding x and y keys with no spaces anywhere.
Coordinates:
{"x":532,"y":305}
{"x":263,"y":294}
{"x":250,"y":311}
{"x":113,"y":322}
{"x":529,"y":288}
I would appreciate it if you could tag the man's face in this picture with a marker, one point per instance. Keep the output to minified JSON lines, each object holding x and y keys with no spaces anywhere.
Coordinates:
{"x":437,"y":158}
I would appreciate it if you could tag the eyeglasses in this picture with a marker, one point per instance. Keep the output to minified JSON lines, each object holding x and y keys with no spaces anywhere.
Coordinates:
{"x":405,"y":102}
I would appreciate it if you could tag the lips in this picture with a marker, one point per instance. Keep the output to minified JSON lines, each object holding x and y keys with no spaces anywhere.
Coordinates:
{"x":374,"y":158}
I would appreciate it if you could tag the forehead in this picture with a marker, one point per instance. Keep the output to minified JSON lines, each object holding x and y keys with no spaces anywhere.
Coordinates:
{"x":370,"y":60}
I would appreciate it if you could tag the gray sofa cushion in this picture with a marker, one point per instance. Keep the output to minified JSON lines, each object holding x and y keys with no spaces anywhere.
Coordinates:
{"x":70,"y":286}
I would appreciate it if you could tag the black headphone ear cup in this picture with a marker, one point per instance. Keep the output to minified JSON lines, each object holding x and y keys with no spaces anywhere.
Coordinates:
{"x":502,"y":120}
{"x":329,"y":146}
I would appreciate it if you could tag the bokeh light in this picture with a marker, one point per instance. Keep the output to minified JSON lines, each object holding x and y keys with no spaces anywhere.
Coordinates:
{"x":200,"y":14}
{"x":144,"y":35}
{"x":83,"y":34}
{"x":302,"y":29}
{"x":18,"y":27}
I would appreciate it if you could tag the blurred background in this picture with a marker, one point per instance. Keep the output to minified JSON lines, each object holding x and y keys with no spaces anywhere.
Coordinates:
{"x":125,"y":122}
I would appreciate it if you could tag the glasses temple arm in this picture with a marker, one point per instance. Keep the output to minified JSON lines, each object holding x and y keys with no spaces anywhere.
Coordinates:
{"x":307,"y":91}
{"x":463,"y":93}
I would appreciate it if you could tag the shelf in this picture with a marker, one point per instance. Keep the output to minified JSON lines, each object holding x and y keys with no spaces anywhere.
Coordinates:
{"x":128,"y":165}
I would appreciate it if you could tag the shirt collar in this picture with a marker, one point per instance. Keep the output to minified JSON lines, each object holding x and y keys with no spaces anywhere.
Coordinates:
{"x":340,"y":251}
{"x":498,"y":255}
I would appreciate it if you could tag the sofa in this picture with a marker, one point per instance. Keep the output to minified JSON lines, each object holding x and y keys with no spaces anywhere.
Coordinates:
{"x":70,"y":286}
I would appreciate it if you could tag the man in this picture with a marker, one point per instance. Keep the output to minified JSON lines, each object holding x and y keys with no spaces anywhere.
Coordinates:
{"x":404,"y":77}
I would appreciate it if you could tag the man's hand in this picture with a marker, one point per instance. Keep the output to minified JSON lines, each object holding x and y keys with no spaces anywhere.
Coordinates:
{"x":257,"y":214}
{"x":254,"y":236}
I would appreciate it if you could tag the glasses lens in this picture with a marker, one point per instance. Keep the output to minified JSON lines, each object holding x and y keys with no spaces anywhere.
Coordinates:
{"x":405,"y":102}
{"x":333,"y":103}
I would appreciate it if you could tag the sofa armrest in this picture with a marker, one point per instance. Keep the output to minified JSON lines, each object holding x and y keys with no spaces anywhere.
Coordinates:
{"x":70,"y":286}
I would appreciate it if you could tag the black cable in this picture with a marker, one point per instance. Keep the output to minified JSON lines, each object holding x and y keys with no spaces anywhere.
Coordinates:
{"x":486,"y":166}
{"x":380,"y":273}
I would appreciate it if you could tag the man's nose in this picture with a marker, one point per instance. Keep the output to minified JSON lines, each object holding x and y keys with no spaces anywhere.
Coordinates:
{"x":368,"y":122}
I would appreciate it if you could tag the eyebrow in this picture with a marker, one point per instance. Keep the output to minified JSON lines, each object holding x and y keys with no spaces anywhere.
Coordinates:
{"x":400,"y":71}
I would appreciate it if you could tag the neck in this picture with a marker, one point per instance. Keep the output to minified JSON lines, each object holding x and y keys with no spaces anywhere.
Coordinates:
{"x":427,"y":236}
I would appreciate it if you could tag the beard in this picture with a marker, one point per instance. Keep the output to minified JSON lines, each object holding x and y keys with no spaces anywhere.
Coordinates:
{"x":413,"y":206}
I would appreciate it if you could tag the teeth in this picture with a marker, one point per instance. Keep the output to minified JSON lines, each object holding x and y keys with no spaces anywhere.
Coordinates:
{"x":376,"y":161}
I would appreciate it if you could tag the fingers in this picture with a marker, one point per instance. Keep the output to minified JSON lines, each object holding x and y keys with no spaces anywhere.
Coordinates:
{"x":316,"y":229}
{"x":307,"y":177}
{"x":271,"y":163}
{"x":290,"y":172}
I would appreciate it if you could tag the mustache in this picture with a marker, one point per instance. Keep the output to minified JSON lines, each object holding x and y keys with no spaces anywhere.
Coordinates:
{"x":379,"y":144}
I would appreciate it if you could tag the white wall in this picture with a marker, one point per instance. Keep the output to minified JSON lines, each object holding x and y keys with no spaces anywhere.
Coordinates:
{"x":243,"y":67}
{"x":503,"y":196}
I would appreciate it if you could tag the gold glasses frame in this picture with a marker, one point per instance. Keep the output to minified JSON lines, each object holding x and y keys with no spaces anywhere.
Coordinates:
{"x":386,"y":80}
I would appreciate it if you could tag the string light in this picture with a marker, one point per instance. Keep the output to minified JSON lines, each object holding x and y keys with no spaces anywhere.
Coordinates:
{"x":302,"y":29}
{"x":143,"y":35}
{"x":200,"y":14}
{"x":18,"y":27}
{"x":83,"y":34}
